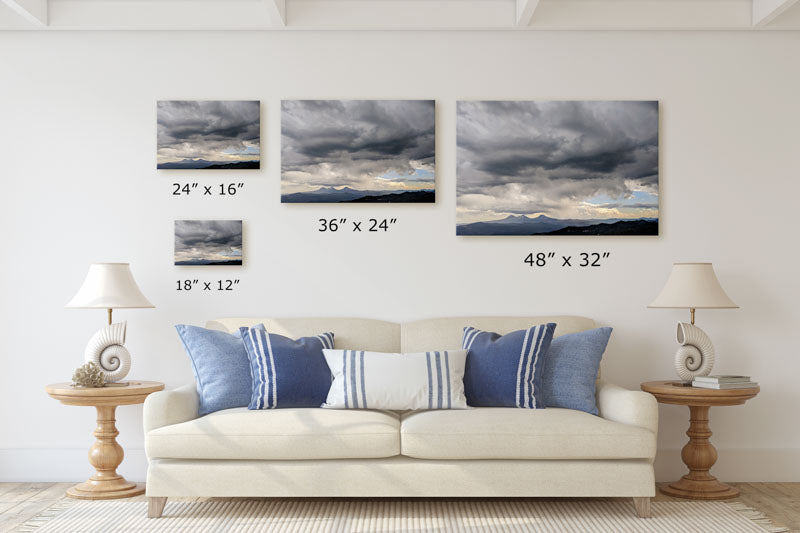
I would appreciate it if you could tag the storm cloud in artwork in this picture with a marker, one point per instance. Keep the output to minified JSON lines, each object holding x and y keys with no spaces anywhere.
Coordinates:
{"x":208,"y":242}
{"x":563,"y":167}
{"x":213,"y":134}
{"x":357,"y":150}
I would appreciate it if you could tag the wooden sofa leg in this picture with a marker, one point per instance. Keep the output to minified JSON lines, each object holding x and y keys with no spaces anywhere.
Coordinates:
{"x":642,"y":506}
{"x":155,"y":506}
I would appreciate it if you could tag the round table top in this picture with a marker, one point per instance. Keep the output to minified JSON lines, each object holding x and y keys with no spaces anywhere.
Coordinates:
{"x":674,"y":392}
{"x":114,"y":394}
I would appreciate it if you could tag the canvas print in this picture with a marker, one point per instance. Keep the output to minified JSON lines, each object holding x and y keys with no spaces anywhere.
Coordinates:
{"x":211,"y":134}
{"x":557,"y":168}
{"x":357,"y":151}
{"x":208,"y":242}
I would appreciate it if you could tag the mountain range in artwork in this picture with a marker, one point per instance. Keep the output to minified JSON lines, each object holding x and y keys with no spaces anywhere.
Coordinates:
{"x":544,"y":225}
{"x":346,"y":194}
{"x":557,"y":168}
{"x":209,"y":134}
{"x":364,"y":151}
{"x":202,"y":163}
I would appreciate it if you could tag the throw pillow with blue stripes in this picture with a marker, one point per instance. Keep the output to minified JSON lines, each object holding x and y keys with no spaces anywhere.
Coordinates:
{"x":506,"y":371}
{"x":396,"y":381}
{"x":286,"y":372}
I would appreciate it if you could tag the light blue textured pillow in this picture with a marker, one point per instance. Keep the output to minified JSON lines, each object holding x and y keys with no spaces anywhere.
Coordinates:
{"x":570,"y":369}
{"x":286,"y":372}
{"x":506,"y":371}
{"x":220,"y":365}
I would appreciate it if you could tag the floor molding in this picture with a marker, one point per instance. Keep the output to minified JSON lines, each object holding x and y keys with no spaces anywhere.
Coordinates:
{"x":62,"y":464}
{"x":71,"y":464}
{"x":738,"y":464}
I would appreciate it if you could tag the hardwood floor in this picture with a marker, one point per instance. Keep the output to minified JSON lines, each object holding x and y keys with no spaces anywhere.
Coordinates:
{"x":21,"y":501}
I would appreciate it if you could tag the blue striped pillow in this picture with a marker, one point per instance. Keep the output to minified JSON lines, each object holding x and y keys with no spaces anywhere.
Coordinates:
{"x":506,"y":371}
{"x":286,"y":372}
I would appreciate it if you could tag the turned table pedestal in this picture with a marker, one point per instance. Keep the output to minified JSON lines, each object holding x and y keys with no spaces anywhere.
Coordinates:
{"x":106,"y":454}
{"x":698,"y":454}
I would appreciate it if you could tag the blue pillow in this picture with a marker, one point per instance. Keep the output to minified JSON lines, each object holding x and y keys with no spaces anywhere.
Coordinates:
{"x":220,"y":365}
{"x":571,"y":367}
{"x":506,"y":371}
{"x":286,"y":372}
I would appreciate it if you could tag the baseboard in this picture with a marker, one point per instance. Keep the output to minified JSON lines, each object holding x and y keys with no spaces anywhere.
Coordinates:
{"x":738,"y":464}
{"x":69,"y":464}
{"x":52,"y":464}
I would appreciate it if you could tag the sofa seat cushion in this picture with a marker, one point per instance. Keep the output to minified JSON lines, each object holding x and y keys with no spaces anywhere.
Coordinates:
{"x":509,"y":433}
{"x":280,"y":434}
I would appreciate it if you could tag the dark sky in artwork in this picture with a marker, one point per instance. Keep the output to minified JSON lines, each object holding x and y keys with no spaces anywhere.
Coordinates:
{"x":217,"y":240}
{"x":564,"y":159}
{"x":361,"y":144}
{"x":213,"y":130}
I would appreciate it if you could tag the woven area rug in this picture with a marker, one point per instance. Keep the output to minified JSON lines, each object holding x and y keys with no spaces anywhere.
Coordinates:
{"x":566,"y":516}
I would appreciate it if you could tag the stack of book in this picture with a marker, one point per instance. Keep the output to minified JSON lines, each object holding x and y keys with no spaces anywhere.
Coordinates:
{"x":723,"y":382}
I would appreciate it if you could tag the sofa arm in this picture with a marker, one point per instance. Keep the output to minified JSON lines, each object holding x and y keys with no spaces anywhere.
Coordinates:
{"x":170,"y":407}
{"x":635,"y":408}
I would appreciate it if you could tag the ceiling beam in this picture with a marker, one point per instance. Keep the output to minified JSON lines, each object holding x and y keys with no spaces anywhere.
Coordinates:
{"x":34,"y":11}
{"x":277,"y":11}
{"x":765,"y":11}
{"x":528,"y":15}
{"x":525,"y":9}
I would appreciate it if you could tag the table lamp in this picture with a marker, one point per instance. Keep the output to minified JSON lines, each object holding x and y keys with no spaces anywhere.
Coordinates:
{"x":693,"y":286}
{"x":109,"y":286}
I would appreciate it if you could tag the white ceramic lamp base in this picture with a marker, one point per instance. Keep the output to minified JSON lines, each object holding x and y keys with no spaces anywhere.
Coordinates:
{"x":695,"y":357}
{"x":106,"y":349}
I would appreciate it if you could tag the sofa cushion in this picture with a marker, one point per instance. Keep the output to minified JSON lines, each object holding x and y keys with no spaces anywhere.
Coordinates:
{"x":509,"y":433}
{"x":280,"y":434}
{"x":448,"y":333}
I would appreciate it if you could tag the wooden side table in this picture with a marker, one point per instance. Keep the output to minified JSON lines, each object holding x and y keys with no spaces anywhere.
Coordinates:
{"x":698,"y":454}
{"x":106,"y":454}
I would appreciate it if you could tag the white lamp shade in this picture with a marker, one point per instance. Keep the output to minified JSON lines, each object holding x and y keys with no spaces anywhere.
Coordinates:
{"x":109,"y":286}
{"x":693,"y":286}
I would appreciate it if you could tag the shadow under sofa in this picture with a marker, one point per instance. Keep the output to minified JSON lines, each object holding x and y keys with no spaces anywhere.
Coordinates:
{"x":477,"y":452}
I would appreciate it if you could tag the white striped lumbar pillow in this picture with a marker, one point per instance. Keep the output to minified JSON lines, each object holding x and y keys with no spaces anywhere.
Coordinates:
{"x":396,"y":381}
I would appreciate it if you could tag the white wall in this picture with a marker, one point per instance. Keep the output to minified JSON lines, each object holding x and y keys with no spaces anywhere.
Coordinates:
{"x":77,"y":144}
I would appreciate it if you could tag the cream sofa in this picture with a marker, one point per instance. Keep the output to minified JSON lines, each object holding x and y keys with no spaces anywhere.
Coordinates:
{"x":480,"y":452}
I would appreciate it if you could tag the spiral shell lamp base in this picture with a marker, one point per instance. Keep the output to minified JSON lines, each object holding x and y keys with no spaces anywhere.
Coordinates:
{"x":106,"y":349}
{"x":695,"y":357}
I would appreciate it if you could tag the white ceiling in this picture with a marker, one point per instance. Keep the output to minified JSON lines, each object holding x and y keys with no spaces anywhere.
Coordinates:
{"x":399,"y":14}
